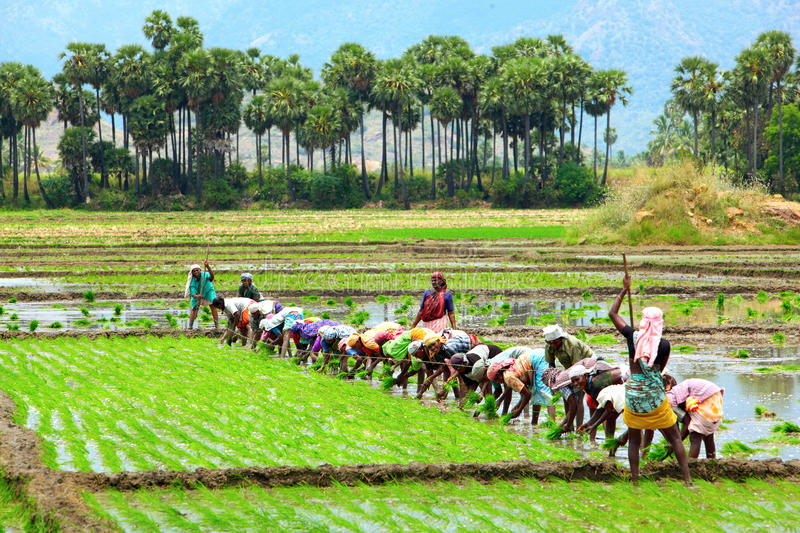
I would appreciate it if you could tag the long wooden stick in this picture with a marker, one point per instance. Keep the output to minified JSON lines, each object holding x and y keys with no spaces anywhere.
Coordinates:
{"x":630,"y":301}
{"x":202,"y":277}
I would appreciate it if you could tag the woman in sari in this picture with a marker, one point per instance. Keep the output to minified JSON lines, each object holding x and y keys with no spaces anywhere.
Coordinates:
{"x":436,"y":307}
{"x":646,"y":404}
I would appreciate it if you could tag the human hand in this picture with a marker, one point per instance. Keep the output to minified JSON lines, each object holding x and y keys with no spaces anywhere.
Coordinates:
{"x":626,"y":282}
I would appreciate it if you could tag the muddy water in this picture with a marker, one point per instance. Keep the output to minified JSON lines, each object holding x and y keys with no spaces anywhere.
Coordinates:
{"x":744,"y":389}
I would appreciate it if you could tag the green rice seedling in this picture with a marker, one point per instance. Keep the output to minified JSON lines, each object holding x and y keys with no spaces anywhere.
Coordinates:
{"x":587,"y":296}
{"x":468,"y":298}
{"x":737,"y":447}
{"x":497,"y":321}
{"x":13,"y":316}
{"x":331,"y":303}
{"x":605,"y":339}
{"x":658,"y":451}
{"x":296,"y":361}
{"x":117,"y":309}
{"x":357,"y":318}
{"x":2,"y":310}
{"x":778,"y":368}
{"x":531,"y":321}
{"x":505,"y":307}
{"x":472,"y":399}
{"x":310,"y":298}
{"x":554,"y":433}
{"x":786,"y":427}
{"x":88,"y":296}
{"x":361,"y":375}
{"x":114,"y":319}
{"x":752,"y":314}
{"x":207,"y":310}
{"x":182,"y":305}
{"x":761,"y":411}
{"x":505,"y":419}
{"x":171,"y":320}
{"x":555,"y":399}
{"x":611,"y":443}
{"x":740,"y":353}
{"x":84,"y":311}
{"x":33,"y":325}
{"x":472,"y":310}
{"x":325,"y":315}
{"x":720,"y":300}
{"x":486,"y":309}
{"x":779,"y":339}
{"x":762,"y":297}
{"x":581,"y":335}
{"x":342,"y":375}
{"x":685,"y":348}
{"x":489,"y":407}
{"x":349,"y":302}
{"x":388,"y":382}
{"x":81,"y":323}
{"x":381,"y":299}
{"x":786,"y":305}
{"x":205,"y":317}
{"x":12,"y":300}
{"x":12,"y":327}
{"x":183,"y":315}
{"x":55,"y":325}
{"x":143,"y":322}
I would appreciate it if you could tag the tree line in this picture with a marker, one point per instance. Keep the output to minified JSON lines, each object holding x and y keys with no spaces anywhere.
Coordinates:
{"x":736,"y":116}
{"x":185,"y":103}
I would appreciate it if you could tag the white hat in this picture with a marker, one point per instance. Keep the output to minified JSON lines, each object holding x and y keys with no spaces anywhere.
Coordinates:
{"x":414,"y":347}
{"x":553,"y":332}
{"x":577,"y":371}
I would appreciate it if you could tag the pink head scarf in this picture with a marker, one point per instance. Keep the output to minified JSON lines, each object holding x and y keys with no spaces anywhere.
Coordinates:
{"x":650,"y":329}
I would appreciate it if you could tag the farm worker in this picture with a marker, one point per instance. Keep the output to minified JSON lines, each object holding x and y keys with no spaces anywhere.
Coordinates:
{"x":610,"y":404}
{"x":397,"y":350}
{"x":436,"y":307}
{"x":590,"y":376}
{"x":329,"y":338}
{"x":305,"y":332}
{"x":702,"y":401}
{"x":521,"y":370}
{"x":568,"y":349}
{"x":366,"y":346}
{"x":247,"y":289}
{"x":277,"y":328}
{"x":258,"y":312}
{"x":646,"y":404}
{"x":470,"y":367}
{"x":440,"y":349}
{"x":196,"y":282}
{"x":238,"y":313}
{"x":558,"y":382}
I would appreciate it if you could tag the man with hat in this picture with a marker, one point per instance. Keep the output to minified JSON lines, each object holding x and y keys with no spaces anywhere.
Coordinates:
{"x":569,"y":350}
{"x":247,"y":289}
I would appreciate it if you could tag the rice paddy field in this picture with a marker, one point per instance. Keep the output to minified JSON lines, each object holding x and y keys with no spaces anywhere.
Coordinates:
{"x":105,"y":394}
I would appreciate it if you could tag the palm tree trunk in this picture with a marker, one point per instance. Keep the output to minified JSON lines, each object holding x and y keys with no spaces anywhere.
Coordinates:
{"x":258,"y":155}
{"x":136,"y":157}
{"x":580,"y":134}
{"x":83,"y":147}
{"x":694,"y":116}
{"x":448,"y":171}
{"x":38,"y":177}
{"x":780,"y":132}
{"x":749,"y":139}
{"x":2,"y":189}
{"x":197,"y":188}
{"x":287,"y":166}
{"x":422,"y":124}
{"x":113,"y":131}
{"x":594,"y":154}
{"x":755,"y":135}
{"x":394,"y":137}
{"x":27,"y":171}
{"x":608,"y":147}
{"x":103,"y":176}
{"x":269,"y":147}
{"x":515,"y":153}
{"x":433,"y":146}
{"x":561,"y":131}
{"x":384,"y":159}
{"x":15,"y":159}
{"x":364,"y":182}
{"x":713,"y":140}
{"x":494,"y":149}
{"x":505,"y":146}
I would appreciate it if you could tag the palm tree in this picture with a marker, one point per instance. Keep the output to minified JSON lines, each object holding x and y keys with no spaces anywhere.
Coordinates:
{"x":713,"y":84}
{"x":687,"y":89}
{"x":321,"y":129}
{"x":195,"y":80}
{"x":79,"y":71}
{"x":256,"y":117}
{"x":148,"y":128}
{"x":613,"y":88}
{"x":285,"y":101}
{"x":446,"y":106}
{"x":780,"y":53}
{"x":32,"y":100}
{"x":10,"y":75}
{"x":753,"y":68}
{"x":158,"y":28}
{"x":353,"y":67}
{"x":99,"y":62}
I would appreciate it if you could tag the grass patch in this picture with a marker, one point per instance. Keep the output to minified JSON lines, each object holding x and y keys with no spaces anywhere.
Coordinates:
{"x":778,"y":368}
{"x":685,"y":348}
{"x":740,"y":353}
{"x":605,"y":339}
{"x":779,"y":339}
{"x":141,"y":411}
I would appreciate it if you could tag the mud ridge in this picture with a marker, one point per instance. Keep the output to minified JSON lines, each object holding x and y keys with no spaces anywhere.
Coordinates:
{"x":376,"y":474}
{"x":55,"y":496}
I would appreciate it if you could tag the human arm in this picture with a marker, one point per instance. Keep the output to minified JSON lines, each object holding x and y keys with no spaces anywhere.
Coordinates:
{"x":452,"y":317}
{"x":436,"y":373}
{"x":613,"y":313}
{"x":599,"y":416}
{"x":210,"y":272}
{"x":524,"y":398}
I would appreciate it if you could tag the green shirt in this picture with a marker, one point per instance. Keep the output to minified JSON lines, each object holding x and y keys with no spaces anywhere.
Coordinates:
{"x":571,"y":351}
{"x":250,"y":292}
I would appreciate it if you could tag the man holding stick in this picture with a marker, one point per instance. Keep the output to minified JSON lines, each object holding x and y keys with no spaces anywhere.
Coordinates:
{"x":199,"y":285}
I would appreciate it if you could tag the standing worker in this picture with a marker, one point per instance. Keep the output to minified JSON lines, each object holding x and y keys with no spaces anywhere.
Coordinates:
{"x":569,"y":350}
{"x":436,"y":307}
{"x":201,"y":289}
{"x":247,"y":289}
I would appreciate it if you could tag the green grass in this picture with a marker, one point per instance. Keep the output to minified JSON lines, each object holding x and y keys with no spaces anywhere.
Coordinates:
{"x":474,"y":232}
{"x":685,"y":349}
{"x":523,"y":505}
{"x":740,"y":353}
{"x":778,"y":368}
{"x":605,"y":339}
{"x":144,"y":403}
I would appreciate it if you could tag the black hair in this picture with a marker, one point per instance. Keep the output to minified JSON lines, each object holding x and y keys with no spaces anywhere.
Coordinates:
{"x":219,"y":302}
{"x":669,"y":380}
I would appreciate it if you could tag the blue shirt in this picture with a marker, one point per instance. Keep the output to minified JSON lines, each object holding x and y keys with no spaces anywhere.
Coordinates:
{"x":208,"y":288}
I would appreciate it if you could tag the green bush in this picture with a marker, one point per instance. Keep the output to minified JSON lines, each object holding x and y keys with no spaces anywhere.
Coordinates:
{"x":575,"y":184}
{"x":59,"y":190}
{"x":237,"y":177}
{"x":218,"y":194}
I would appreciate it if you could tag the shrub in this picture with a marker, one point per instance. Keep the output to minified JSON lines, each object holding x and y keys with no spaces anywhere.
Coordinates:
{"x":575,"y":184}
{"x":237,"y":177}
{"x":218,"y":194}
{"x":59,"y":190}
{"x":33,"y":325}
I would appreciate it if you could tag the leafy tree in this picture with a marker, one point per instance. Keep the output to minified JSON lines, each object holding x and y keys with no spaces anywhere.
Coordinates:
{"x":613,"y":87}
{"x":78,"y":71}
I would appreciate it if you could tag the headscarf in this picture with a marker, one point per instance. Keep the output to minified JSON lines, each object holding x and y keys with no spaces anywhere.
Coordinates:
{"x":414,"y":347}
{"x":439,"y":276}
{"x":491,"y":373}
{"x":649,"y":337}
{"x":247,"y":275}
{"x":189,"y":280}
{"x":577,"y":371}
{"x":431,"y":338}
{"x":555,"y":379}
{"x":459,"y":359}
